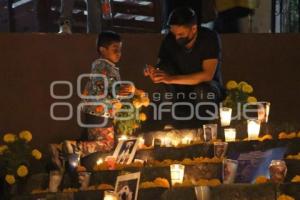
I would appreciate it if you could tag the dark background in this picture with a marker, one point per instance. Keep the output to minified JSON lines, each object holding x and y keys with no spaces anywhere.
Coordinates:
{"x":30,"y":62}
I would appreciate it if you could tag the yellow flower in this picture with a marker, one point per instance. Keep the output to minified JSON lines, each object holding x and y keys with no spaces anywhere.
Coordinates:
{"x":145,"y":101}
{"x":296,"y":179}
{"x":117,"y":106}
{"x":261,"y":179}
{"x":285,"y":197}
{"x":10,"y":179}
{"x":251,"y":99}
{"x":9,"y":138}
{"x":143,"y":117}
{"x":139,"y":92}
{"x":3,"y":148}
{"x":22,"y":171}
{"x":247,"y":88}
{"x":137,"y":104}
{"x":36,"y":154}
{"x":25,"y":135}
{"x":162,"y":182}
{"x":231,"y":85}
{"x":241,"y":84}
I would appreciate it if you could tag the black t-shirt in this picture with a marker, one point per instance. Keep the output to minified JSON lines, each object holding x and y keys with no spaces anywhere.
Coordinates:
{"x":176,"y":60}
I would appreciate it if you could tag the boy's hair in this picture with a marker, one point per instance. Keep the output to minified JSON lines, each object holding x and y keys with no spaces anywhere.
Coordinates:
{"x":106,"y":38}
{"x":183,"y":16}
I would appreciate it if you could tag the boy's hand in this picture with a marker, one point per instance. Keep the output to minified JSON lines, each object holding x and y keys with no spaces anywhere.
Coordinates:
{"x":126,"y":90}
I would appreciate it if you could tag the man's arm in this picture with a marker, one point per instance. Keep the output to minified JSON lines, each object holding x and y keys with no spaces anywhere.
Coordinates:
{"x":209,"y":68}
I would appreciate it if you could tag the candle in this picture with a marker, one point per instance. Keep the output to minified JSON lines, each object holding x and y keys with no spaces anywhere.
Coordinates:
{"x":99,"y":161}
{"x":225,"y":115}
{"x":175,"y":142}
{"x":110,"y":195}
{"x":141,"y":142}
{"x":277,"y":170}
{"x":177,"y":173}
{"x":123,"y":138}
{"x":166,"y":141}
{"x":230,"y":134}
{"x":111,"y":162}
{"x":253,"y":129}
{"x":74,"y":160}
{"x":210,"y":132}
{"x":186,"y":140}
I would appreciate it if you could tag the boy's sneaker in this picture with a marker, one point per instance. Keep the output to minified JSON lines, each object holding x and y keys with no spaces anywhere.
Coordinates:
{"x":65,"y":28}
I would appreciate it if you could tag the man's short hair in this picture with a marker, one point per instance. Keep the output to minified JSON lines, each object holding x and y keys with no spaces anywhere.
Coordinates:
{"x":106,"y":38}
{"x":183,"y":16}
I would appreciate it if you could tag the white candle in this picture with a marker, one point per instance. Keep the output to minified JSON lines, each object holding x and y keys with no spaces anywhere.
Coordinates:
{"x":175,"y":142}
{"x":141,"y":142}
{"x":210,"y":132}
{"x":230,"y":134}
{"x":177,"y":173}
{"x":186,"y":140}
{"x":99,"y":161}
{"x":123,"y":138}
{"x":110,"y":195}
{"x":74,"y":160}
{"x":225,"y":115}
{"x":253,"y":129}
{"x":166,"y":141}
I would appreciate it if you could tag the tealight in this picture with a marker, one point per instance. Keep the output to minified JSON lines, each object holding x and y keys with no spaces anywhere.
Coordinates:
{"x":253,"y":129}
{"x":230,"y":134}
{"x":225,"y":115}
{"x":123,"y":138}
{"x":186,"y":140}
{"x":141,"y":142}
{"x":177,"y":173}
{"x":110,"y":195}
{"x":99,"y":161}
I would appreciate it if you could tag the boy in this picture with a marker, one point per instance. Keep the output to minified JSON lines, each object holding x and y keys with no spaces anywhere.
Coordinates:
{"x":109,"y":46}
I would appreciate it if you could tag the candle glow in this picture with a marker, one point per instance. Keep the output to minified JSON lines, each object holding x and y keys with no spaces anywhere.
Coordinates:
{"x":230,"y":134}
{"x":253,"y":129}
{"x":225,"y":115}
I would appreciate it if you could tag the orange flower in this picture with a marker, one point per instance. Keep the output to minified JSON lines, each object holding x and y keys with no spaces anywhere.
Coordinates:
{"x":99,"y":109}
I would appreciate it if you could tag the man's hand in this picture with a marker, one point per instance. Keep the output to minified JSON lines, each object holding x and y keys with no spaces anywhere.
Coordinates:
{"x":160,"y":76}
{"x":148,"y":71}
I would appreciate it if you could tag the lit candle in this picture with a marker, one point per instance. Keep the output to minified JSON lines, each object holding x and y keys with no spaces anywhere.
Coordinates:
{"x":166,"y":141}
{"x":141,"y":142}
{"x":253,"y":129}
{"x":177,"y":173}
{"x":74,"y":160}
{"x":225,"y":115}
{"x":111,"y":162}
{"x":210,"y":132}
{"x":110,"y":195}
{"x":230,"y":134}
{"x":99,"y":161}
{"x":175,"y":142}
{"x":123,"y":138}
{"x":186,"y":140}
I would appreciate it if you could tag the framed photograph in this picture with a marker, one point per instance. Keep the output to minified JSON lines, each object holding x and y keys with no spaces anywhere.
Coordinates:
{"x":125,"y":151}
{"x":127,"y":186}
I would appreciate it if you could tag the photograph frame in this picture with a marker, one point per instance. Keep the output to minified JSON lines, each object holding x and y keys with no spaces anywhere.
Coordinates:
{"x":121,"y":148}
{"x":127,"y":178}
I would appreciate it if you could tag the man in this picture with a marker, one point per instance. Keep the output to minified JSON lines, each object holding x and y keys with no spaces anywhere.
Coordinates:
{"x":189,"y":62}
